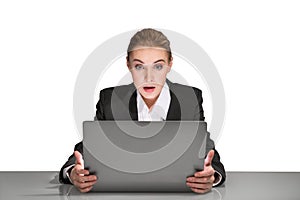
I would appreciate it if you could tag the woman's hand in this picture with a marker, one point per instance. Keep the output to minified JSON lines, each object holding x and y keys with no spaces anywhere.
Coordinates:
{"x":80,"y":177}
{"x":202,"y":181}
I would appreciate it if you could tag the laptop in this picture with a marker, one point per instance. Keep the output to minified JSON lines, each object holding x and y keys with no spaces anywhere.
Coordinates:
{"x":135,"y":156}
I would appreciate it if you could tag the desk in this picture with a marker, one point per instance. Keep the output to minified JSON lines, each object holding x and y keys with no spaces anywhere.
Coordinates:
{"x":238,"y":186}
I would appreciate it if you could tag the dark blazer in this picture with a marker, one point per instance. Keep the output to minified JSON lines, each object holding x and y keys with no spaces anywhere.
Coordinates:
{"x":119,"y":103}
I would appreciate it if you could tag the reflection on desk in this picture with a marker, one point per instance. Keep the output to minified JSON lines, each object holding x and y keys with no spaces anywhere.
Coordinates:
{"x":69,"y":192}
{"x":239,"y":185}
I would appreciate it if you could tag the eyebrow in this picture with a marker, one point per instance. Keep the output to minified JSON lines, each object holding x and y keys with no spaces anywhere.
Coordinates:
{"x":138,"y":60}
{"x":160,"y":60}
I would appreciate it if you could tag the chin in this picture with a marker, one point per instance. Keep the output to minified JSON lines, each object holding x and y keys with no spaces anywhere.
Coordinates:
{"x":147,"y":95}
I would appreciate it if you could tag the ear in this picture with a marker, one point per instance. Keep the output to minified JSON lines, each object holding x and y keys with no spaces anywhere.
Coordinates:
{"x":127,"y":63}
{"x":170,"y":64}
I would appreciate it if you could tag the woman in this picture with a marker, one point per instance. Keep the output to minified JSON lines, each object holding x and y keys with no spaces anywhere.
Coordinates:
{"x":151,"y":97}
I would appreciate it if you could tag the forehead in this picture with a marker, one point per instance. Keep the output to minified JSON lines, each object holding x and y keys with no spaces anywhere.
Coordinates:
{"x":149,"y":54}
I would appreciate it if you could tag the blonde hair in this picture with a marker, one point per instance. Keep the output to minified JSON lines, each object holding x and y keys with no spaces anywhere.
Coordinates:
{"x":149,"y":38}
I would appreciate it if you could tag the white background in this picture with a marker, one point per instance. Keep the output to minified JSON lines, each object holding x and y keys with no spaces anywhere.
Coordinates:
{"x":255,"y":46}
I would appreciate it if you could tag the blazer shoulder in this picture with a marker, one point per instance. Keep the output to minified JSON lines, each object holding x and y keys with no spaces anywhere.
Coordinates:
{"x":114,"y":103}
{"x":118,"y":89}
{"x":181,"y":87}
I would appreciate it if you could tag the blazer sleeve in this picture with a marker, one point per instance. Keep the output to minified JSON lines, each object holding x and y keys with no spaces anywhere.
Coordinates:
{"x":216,"y":162}
{"x":71,"y":161}
{"x":100,"y":107}
{"x":79,"y":146}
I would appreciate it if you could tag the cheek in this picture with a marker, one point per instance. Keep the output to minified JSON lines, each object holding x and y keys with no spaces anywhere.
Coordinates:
{"x":161,"y":78}
{"x":158,"y":89}
{"x":137,"y":79}
{"x":135,"y":76}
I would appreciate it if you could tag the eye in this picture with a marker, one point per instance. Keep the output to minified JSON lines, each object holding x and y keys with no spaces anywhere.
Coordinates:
{"x":139,"y":67}
{"x":158,"y":66}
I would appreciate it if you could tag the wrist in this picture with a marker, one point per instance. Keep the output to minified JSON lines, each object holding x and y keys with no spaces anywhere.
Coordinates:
{"x":69,"y":172}
{"x":218,"y":178}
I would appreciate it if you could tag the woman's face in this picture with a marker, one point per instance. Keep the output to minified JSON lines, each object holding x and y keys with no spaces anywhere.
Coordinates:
{"x":149,"y":68}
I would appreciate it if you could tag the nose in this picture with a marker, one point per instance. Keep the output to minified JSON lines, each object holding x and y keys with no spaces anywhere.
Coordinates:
{"x":149,"y":76}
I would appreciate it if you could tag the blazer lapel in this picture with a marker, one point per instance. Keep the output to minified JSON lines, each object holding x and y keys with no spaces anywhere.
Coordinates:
{"x":174,"y":112}
{"x":133,"y":106}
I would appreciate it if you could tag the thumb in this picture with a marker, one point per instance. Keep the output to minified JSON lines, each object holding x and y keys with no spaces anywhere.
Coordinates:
{"x":79,"y":159}
{"x":209,"y":158}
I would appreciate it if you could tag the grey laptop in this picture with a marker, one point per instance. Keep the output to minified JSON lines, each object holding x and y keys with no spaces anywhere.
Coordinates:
{"x":131,"y":156}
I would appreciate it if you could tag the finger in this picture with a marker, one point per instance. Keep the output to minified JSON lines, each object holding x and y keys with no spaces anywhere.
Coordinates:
{"x":83,"y":179}
{"x":84,"y":190}
{"x":200,"y":191}
{"x":208,"y":171}
{"x":79,"y":159}
{"x":209,"y":158}
{"x":85,"y":185}
{"x":199,"y":185}
{"x":208,"y":179}
{"x":82,"y":172}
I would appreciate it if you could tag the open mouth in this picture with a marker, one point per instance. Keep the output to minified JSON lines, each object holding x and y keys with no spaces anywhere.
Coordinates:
{"x":149,"y":89}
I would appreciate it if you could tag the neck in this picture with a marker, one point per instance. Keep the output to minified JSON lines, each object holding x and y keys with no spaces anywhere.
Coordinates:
{"x":150,"y":102}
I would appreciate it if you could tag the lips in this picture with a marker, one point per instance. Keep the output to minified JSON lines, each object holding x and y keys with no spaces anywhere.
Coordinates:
{"x":149,"y":89}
